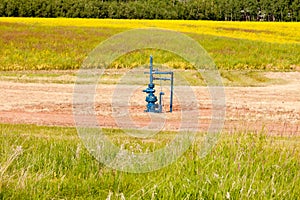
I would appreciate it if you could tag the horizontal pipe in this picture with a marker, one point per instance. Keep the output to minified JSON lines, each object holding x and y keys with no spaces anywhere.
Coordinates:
{"x":163,"y":79}
{"x":156,"y":72}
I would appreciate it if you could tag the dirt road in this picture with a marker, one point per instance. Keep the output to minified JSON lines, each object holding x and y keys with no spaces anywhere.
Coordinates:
{"x":274,"y":108}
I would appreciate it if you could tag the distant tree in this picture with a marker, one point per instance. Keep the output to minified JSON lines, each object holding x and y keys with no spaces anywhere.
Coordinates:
{"x":295,"y":10}
{"x":11,"y":8}
{"x":269,"y":10}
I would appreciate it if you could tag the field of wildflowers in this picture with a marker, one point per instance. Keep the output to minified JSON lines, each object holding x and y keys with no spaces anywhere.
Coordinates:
{"x":278,"y":32}
{"x":61,"y":43}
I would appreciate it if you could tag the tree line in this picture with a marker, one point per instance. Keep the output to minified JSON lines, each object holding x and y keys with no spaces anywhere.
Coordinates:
{"x":223,"y":10}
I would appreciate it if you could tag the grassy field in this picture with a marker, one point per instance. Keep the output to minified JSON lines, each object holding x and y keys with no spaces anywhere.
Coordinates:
{"x":39,"y":162}
{"x":36,"y":44}
{"x":51,"y":163}
{"x":113,"y":76}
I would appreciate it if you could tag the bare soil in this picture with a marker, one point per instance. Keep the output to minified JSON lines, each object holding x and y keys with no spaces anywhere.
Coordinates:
{"x":274,"y":108}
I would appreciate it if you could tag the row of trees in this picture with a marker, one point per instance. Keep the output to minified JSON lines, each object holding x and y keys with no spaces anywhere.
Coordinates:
{"x":263,"y":10}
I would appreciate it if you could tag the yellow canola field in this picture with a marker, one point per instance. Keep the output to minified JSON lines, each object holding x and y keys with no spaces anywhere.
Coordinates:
{"x":278,"y":32}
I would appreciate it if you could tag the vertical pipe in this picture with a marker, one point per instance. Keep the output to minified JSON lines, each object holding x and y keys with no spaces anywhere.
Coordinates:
{"x":151,"y":69}
{"x":171,"y":95}
{"x":160,"y":101}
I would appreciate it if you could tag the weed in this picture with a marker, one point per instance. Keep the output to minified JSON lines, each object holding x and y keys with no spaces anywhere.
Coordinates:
{"x":54,"y":164}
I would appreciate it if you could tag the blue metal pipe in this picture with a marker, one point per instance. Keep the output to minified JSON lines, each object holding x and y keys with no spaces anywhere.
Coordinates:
{"x":158,"y":72}
{"x":171,"y":95}
{"x":151,"y":69}
{"x":160,"y":101}
{"x":163,"y":79}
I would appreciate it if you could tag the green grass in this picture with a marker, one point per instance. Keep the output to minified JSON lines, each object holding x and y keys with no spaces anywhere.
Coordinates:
{"x":113,"y":76}
{"x":238,"y":54}
{"x":246,"y":78}
{"x":39,"y":162}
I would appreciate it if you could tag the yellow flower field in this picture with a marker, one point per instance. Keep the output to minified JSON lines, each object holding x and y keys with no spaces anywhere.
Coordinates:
{"x":278,"y":32}
{"x":63,"y":43}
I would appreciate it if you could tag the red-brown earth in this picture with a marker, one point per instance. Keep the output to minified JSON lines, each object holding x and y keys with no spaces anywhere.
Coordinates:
{"x":274,"y":108}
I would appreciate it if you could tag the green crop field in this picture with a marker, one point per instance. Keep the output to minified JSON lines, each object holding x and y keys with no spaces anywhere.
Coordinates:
{"x":52,"y":163}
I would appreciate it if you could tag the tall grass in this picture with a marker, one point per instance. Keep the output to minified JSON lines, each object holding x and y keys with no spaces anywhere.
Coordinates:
{"x":52,"y":163}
